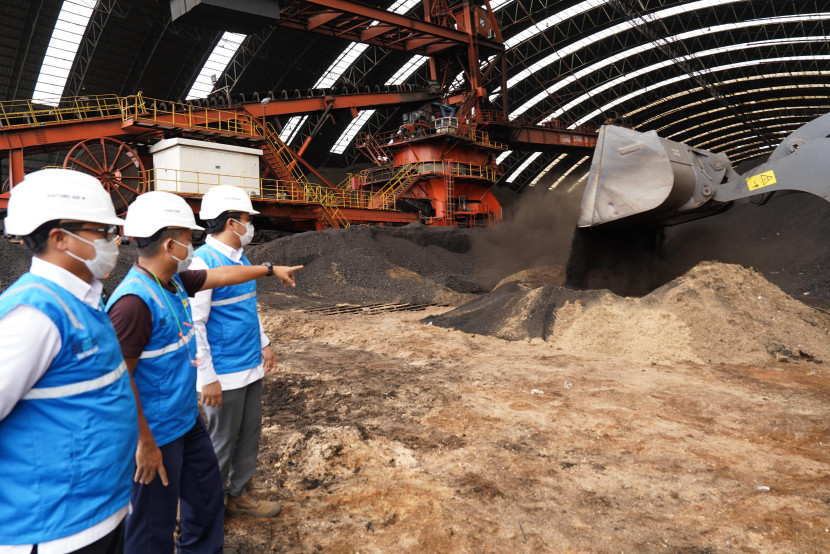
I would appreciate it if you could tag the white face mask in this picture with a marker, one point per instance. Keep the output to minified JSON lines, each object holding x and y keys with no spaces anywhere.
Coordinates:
{"x":249,"y":233}
{"x":106,"y":255}
{"x":185,"y":263}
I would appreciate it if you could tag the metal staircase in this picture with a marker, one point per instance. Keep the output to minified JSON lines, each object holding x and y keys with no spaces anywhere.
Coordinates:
{"x":384,"y":199}
{"x":333,"y":216}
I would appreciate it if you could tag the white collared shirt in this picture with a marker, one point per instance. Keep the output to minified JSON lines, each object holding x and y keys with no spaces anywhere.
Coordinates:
{"x":29,"y":341}
{"x":200,"y":306}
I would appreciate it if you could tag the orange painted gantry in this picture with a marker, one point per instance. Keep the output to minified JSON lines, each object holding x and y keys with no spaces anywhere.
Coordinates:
{"x":287,"y":196}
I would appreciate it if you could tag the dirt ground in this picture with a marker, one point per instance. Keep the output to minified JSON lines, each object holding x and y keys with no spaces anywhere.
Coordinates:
{"x":382,"y":433}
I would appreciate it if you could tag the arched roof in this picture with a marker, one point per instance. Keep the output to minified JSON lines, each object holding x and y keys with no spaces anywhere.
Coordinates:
{"x":732,"y":76}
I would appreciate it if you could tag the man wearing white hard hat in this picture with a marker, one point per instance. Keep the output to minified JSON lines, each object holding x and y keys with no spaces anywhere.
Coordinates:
{"x":176,"y":467}
{"x":234,"y":352}
{"x":67,"y":412}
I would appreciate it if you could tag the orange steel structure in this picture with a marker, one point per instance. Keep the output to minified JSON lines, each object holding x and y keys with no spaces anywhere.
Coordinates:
{"x":437,"y":168}
{"x":444,"y":170}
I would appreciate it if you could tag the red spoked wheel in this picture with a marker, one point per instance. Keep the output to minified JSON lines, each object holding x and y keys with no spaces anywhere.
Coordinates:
{"x":113,"y":163}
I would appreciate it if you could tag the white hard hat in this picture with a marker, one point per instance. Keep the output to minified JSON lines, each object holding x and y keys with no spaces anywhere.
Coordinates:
{"x":51,"y":194}
{"x":157,"y":210}
{"x":225,"y":198}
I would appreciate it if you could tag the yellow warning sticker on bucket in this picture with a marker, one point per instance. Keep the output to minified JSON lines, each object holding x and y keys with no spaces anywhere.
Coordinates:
{"x":761,"y":180}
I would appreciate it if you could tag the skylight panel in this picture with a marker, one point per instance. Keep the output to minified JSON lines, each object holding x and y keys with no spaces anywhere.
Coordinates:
{"x":547,"y":169}
{"x":519,"y":170}
{"x":351,"y":131}
{"x":577,"y":182}
{"x":654,"y":67}
{"x":710,"y":121}
{"x":215,"y":65}
{"x":290,"y":130}
{"x":410,"y":67}
{"x":555,"y":19}
{"x":726,"y":67}
{"x":741,"y":79}
{"x":567,"y":173}
{"x":355,"y":49}
{"x":496,"y":5}
{"x":596,"y":37}
{"x":340,"y":65}
{"x":60,"y":53}
{"x":503,"y":156}
{"x":403,"y":6}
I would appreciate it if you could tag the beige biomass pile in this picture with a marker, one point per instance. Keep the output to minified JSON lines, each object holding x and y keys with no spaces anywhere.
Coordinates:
{"x":714,"y":313}
{"x":536,"y":277}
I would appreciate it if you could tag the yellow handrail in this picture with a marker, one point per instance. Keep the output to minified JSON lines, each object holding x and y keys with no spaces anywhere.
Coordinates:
{"x":452,"y":167}
{"x":165,"y":113}
{"x":197,"y":183}
{"x":335,"y":216}
{"x":388,"y":194}
{"x":28,"y":113}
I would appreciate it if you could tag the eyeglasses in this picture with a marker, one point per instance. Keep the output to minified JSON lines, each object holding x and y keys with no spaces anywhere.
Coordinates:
{"x":109,"y":232}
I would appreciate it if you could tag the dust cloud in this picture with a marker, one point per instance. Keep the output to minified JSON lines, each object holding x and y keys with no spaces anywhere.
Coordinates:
{"x":536,"y":231}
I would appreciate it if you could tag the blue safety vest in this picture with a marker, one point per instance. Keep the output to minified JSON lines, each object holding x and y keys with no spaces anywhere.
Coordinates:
{"x":67,"y":449}
{"x":165,"y":375}
{"x":233,"y":325}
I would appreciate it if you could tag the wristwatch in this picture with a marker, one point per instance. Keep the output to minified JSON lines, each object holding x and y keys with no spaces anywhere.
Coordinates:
{"x":270,"y":267}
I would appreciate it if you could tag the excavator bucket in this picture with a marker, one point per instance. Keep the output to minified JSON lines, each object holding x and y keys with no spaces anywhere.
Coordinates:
{"x":644,"y":179}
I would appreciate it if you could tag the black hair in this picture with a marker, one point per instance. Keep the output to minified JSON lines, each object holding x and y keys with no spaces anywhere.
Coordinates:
{"x":149,"y":246}
{"x":37,"y":239}
{"x":217,"y":224}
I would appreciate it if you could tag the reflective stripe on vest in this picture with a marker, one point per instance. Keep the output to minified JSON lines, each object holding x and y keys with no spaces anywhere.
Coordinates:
{"x":150,"y":291}
{"x":77,"y":388}
{"x":213,"y":254}
{"x":172,"y":347}
{"x":234,"y":300}
{"x":72,"y":318}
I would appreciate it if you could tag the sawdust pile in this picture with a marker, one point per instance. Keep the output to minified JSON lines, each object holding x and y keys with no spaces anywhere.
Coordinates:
{"x":714,"y":313}
{"x":535,"y":277}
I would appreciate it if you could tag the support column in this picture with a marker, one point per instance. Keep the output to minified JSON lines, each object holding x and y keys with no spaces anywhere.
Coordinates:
{"x":15,"y":166}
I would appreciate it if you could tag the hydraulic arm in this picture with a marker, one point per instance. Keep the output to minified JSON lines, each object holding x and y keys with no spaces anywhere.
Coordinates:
{"x":639,"y":179}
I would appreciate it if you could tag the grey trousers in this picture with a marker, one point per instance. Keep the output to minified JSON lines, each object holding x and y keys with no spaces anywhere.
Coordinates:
{"x":234,"y":431}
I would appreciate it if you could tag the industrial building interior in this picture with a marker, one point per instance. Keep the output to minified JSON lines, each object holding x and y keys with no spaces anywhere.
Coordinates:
{"x":728,"y":76}
{"x":462,"y":369}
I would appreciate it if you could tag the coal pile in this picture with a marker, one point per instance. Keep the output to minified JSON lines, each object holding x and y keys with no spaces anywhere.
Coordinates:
{"x":512,"y":312}
{"x":359,"y":265}
{"x":785,"y":239}
{"x":14,"y":261}
{"x":363,"y":264}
